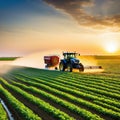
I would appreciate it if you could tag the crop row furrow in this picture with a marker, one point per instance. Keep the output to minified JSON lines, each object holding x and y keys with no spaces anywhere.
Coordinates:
{"x":82,"y":88}
{"x":81,"y":79}
{"x":106,"y":79}
{"x":75,"y":109}
{"x":54,"y":112}
{"x":74,"y":92}
{"x":100,"y":83}
{"x":59,"y":93}
{"x":107,"y":105}
{"x":24,"y":112}
{"x":73,"y":99}
{"x":75,"y":82}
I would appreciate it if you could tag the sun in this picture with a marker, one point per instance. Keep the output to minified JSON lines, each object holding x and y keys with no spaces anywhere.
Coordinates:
{"x":110,"y":42}
{"x":111,"y":47}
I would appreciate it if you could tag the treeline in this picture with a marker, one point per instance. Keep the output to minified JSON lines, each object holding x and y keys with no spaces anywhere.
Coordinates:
{"x":8,"y":58}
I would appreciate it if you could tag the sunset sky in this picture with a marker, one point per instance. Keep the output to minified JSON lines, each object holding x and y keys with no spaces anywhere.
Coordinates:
{"x":86,"y":26}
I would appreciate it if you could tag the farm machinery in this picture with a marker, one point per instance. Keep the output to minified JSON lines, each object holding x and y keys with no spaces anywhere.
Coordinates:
{"x":51,"y":61}
{"x":68,"y":63}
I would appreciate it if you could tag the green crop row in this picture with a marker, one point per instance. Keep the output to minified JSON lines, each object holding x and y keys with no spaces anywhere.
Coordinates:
{"x":103,"y":78}
{"x":60,"y":82}
{"x":88,"y":81}
{"x":56,"y":113}
{"x":114,"y":79}
{"x":83,"y":81}
{"x":73,"y":108}
{"x":81,"y":86}
{"x":89,"y":77}
{"x":23,"y":111}
{"x":74,"y":92}
{"x":73,"y":99}
{"x":88,"y":87}
{"x":72,"y":75}
{"x":107,"y":106}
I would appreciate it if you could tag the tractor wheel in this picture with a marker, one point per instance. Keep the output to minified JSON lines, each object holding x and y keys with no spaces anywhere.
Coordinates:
{"x":62,"y":66}
{"x":81,"y":67}
{"x":69,"y":68}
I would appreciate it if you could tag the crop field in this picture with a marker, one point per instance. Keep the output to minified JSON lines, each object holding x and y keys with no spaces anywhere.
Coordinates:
{"x":36,"y":94}
{"x":111,"y":66}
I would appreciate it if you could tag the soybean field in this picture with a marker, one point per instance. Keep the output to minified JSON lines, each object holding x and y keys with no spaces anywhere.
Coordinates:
{"x":37,"y":94}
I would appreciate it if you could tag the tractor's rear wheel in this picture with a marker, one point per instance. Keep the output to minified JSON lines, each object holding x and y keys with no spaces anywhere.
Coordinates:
{"x":62,"y":66}
{"x":81,"y":67}
{"x":69,"y":68}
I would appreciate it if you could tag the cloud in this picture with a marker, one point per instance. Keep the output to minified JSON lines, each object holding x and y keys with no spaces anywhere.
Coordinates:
{"x":91,"y":13}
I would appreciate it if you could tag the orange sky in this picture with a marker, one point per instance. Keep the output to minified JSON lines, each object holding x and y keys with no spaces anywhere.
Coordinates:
{"x":47,"y":25}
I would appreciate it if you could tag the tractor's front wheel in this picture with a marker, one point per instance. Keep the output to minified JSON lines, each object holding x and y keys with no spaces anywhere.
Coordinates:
{"x":69,"y":68}
{"x":61,"y":66}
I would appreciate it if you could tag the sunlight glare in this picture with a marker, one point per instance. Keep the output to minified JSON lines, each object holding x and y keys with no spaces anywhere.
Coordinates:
{"x":111,"y":47}
{"x":110,"y":42}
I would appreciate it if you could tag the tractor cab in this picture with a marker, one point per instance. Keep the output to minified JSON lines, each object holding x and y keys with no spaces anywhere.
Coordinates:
{"x":69,"y":55}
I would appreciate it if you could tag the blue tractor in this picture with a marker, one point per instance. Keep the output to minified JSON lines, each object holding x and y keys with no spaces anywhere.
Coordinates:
{"x":70,"y":62}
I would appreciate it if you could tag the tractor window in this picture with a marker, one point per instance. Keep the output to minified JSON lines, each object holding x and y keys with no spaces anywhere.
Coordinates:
{"x":65,"y":56}
{"x":69,"y":55}
{"x":72,"y":55}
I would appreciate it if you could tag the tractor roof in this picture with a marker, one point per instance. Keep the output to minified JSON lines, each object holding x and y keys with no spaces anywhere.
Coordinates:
{"x":69,"y":53}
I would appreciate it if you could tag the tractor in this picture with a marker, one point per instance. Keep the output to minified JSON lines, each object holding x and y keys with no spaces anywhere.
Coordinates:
{"x":70,"y":62}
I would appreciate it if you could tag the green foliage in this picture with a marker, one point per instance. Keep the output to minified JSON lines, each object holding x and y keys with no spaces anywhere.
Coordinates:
{"x":25,"y":113}
{"x":82,"y":112}
{"x":3,"y":115}
{"x":38,"y":102}
{"x":44,"y":83}
{"x":79,"y":101}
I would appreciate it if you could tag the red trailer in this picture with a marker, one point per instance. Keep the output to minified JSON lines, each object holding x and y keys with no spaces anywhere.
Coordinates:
{"x":51,"y":61}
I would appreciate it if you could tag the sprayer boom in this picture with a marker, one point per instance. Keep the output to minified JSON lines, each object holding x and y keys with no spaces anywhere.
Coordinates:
{"x":93,"y":67}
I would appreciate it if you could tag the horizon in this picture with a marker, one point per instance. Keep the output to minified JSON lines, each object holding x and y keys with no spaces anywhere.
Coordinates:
{"x":106,"y":55}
